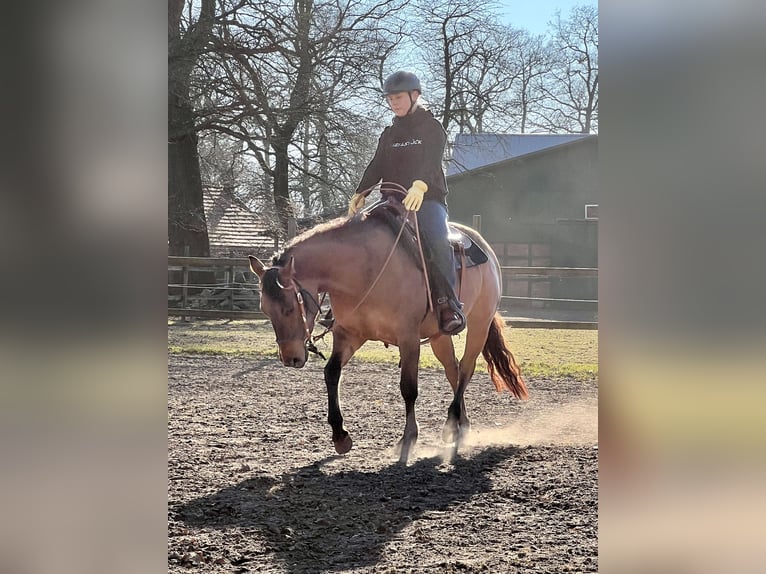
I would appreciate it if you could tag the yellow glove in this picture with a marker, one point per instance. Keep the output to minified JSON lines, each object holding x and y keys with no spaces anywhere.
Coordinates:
{"x":414,"y":198}
{"x":356,"y":203}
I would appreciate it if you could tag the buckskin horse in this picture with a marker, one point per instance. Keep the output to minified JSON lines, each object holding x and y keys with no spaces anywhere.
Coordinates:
{"x":378,"y":293}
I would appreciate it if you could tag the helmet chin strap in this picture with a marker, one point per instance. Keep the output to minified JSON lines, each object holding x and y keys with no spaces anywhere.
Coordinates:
{"x":412,"y":102}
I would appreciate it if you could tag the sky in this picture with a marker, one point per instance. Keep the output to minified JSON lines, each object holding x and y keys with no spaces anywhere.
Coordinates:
{"x":533,"y":15}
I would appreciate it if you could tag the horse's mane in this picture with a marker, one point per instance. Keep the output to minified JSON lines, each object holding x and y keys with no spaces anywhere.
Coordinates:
{"x":386,"y":217}
{"x":281,"y":258}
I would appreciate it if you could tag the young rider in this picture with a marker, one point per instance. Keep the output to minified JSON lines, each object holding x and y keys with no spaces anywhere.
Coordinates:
{"x":410,"y":153}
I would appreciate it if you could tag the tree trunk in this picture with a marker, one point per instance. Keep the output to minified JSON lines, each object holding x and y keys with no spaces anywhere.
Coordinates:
{"x":298,"y":112}
{"x":186,"y":213}
{"x":448,"y":79}
{"x":306,"y":183}
{"x":281,"y":184}
{"x":324,"y":172}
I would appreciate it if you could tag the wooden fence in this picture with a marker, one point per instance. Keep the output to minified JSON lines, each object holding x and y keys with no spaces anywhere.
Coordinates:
{"x":237,"y":295}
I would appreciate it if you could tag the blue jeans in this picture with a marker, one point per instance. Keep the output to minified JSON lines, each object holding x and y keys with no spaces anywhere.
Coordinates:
{"x":432,"y":222}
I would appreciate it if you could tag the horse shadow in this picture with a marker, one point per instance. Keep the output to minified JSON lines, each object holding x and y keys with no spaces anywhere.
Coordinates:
{"x":317,"y":521}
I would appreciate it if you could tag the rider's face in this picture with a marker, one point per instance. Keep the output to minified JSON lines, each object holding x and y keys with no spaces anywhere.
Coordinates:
{"x":400,"y":102}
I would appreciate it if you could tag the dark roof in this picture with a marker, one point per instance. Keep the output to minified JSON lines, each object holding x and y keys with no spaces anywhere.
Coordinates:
{"x":234,"y":230}
{"x":543,"y":151}
{"x":472,"y":151}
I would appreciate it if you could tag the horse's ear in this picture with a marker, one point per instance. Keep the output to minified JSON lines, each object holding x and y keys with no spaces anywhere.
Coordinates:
{"x":256,"y":266}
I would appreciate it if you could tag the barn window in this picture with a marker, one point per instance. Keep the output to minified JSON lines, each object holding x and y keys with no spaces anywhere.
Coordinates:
{"x":591,"y":211}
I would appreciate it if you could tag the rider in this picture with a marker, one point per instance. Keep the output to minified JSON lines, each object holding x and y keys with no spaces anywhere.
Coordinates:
{"x":410,"y":153}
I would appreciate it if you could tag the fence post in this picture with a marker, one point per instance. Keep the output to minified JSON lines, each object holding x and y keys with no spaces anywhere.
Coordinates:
{"x":477,"y":223}
{"x":185,"y":283}
{"x":231,"y":287}
{"x":529,"y":264}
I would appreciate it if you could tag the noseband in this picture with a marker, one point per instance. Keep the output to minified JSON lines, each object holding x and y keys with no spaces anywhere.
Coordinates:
{"x":299,"y":291}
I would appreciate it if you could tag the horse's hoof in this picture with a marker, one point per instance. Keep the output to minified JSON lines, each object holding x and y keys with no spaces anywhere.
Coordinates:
{"x":403,"y":449}
{"x":449,"y":432}
{"x":343,"y":445}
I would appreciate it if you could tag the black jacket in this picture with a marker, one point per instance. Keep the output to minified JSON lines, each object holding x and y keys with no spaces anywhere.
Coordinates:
{"x":410,"y":149}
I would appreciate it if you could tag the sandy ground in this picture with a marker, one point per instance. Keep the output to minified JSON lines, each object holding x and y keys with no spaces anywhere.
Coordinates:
{"x":254,"y":484}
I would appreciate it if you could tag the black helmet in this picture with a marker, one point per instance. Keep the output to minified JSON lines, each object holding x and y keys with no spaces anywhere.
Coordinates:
{"x":401,"y":81}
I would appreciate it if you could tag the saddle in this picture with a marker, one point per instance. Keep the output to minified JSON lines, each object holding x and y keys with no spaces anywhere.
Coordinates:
{"x":391,"y":211}
{"x":465,"y":249}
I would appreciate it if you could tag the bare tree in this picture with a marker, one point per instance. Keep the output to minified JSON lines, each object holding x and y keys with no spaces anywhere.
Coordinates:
{"x":483,"y":87}
{"x":571,"y":89}
{"x":453,"y":37}
{"x":284,"y":75}
{"x":534,"y":61}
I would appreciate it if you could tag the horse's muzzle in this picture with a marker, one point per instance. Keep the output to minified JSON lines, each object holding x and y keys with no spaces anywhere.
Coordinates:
{"x":296,"y":359}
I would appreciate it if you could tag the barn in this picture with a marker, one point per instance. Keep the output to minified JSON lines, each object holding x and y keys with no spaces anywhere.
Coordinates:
{"x":536,"y":196}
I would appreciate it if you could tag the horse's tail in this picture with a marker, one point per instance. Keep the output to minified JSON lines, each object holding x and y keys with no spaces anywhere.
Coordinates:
{"x":502,"y":367}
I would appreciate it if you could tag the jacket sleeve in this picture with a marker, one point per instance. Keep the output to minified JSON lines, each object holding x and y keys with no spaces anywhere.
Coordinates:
{"x":434,"y":142}
{"x":374,"y":171}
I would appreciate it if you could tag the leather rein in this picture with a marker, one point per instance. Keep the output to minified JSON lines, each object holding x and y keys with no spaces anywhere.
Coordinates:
{"x":395,"y":187}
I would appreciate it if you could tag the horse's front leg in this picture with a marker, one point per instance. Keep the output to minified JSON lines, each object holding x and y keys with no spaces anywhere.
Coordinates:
{"x":342,"y":351}
{"x":410,"y":357}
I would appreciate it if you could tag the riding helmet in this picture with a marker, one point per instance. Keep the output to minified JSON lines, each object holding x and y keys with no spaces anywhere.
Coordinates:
{"x":401,"y":81}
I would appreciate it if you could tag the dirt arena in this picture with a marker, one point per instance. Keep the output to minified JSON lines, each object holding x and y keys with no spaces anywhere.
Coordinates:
{"x":254,"y":484}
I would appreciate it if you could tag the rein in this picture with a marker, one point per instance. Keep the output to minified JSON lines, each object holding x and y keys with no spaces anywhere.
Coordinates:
{"x":391,"y":186}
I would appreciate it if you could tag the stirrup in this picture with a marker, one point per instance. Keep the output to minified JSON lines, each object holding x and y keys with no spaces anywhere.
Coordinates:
{"x":454,"y":326}
{"x":456,"y":323}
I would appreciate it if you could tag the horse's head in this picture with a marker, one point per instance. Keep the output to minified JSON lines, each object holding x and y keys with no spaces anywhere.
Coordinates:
{"x":290,"y":307}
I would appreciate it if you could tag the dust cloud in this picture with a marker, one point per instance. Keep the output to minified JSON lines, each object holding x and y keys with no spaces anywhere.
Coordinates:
{"x":570,"y":424}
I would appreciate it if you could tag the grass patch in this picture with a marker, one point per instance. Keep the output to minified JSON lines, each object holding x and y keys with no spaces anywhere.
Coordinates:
{"x":542,"y":353}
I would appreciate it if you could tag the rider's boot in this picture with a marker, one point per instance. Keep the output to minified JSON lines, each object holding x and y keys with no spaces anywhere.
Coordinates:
{"x":450,"y":313}
{"x":432,"y":219}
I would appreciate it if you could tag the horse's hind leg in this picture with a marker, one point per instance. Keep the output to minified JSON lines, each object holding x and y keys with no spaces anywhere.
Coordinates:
{"x":343,"y":349}
{"x":444,"y":351}
{"x":457,"y":425}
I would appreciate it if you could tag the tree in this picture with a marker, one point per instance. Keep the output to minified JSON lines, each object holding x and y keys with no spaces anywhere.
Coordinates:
{"x":283,"y":76}
{"x":483,"y":86}
{"x":453,"y":36}
{"x":187,"y":41}
{"x":534,"y":62}
{"x":571,"y":90}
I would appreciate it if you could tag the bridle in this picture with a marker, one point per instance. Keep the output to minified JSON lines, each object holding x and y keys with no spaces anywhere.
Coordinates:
{"x":299,"y":293}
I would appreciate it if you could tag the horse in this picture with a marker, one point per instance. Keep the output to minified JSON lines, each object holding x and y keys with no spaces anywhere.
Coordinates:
{"x":378,"y":293}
